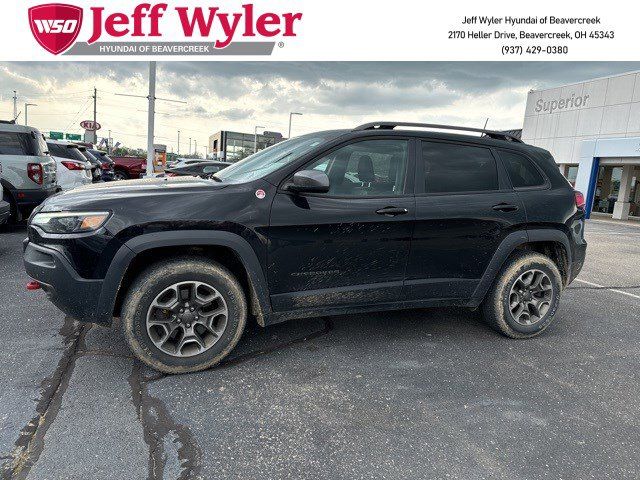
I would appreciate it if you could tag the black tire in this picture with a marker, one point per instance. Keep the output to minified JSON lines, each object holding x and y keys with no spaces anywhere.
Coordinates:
{"x":120,"y":175}
{"x":152,"y":282}
{"x":496,"y":308}
{"x":14,"y":213}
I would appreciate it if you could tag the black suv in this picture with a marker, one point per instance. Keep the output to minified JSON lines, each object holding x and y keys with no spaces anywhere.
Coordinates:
{"x":374,"y":218}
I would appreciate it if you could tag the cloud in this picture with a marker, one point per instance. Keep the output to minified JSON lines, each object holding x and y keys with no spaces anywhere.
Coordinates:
{"x":237,"y":95}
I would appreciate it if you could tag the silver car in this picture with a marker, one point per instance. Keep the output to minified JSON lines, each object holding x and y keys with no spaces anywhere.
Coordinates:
{"x":28,"y":172}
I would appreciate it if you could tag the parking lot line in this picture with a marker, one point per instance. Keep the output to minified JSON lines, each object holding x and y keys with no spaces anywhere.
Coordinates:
{"x":604,"y":287}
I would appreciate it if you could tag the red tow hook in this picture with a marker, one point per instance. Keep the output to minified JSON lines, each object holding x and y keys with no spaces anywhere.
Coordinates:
{"x":34,"y":285}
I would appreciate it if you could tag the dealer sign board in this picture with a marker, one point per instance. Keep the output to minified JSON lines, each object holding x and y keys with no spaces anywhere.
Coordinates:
{"x":90,"y":125}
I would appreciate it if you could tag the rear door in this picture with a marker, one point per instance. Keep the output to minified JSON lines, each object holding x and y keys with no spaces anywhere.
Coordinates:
{"x":464,"y":208}
{"x":347,"y":247}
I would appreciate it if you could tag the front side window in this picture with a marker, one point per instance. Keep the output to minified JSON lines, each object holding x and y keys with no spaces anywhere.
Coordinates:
{"x":521,"y":171}
{"x":273,"y":158}
{"x":367,"y":168}
{"x":452,"y":168}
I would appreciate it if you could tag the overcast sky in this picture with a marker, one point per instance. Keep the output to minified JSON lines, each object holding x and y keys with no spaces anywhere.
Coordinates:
{"x":238,"y":96}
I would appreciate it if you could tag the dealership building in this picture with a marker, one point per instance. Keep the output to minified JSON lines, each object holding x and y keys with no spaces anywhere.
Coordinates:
{"x":592,"y":129}
{"x":234,"y":146}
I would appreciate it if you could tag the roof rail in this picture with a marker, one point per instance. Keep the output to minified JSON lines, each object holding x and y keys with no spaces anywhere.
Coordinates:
{"x":8,"y":122}
{"x":391,"y":125}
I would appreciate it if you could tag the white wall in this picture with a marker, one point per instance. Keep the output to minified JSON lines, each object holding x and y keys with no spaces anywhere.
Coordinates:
{"x":609,"y":108}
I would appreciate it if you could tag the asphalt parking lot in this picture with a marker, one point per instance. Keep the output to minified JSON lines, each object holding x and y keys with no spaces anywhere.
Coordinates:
{"x":418,"y":394}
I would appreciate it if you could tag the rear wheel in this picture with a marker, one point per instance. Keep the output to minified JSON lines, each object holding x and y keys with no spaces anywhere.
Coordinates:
{"x":184,"y":315}
{"x":524,"y":299}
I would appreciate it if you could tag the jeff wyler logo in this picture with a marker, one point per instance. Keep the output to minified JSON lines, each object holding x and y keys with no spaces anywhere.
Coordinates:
{"x":56,"y":26}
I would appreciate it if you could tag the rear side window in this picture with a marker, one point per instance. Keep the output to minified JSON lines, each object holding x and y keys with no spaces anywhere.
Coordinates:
{"x":63,"y":151}
{"x":19,"y":144}
{"x":451,"y":168}
{"x":522,"y":172}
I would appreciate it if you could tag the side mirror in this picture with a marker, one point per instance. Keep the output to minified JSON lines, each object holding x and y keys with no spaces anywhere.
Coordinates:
{"x":309,"y":181}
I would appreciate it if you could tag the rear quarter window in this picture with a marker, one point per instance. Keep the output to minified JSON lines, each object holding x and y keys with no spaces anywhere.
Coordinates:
{"x":522,"y":172}
{"x":12,"y":143}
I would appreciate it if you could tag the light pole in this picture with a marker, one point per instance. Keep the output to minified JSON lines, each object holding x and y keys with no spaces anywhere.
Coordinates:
{"x":178,"y":153}
{"x":255,"y":138}
{"x":290,"y":117}
{"x":151,"y":154}
{"x":189,"y":147}
{"x":26,"y":107}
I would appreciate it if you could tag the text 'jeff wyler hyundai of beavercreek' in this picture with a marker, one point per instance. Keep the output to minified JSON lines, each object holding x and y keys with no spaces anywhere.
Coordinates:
{"x":373,"y":218}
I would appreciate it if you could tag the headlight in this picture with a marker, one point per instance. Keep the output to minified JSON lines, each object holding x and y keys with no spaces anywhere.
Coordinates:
{"x":70,"y":222}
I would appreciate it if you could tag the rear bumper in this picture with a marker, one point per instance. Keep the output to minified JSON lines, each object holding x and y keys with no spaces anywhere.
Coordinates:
{"x":577,"y":260}
{"x":107,"y":175}
{"x":74,"y":295}
{"x":5,"y":211}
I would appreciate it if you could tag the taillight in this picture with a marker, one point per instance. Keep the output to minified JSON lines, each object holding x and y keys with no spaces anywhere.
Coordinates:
{"x":73,"y":165}
{"x":105,"y":166}
{"x":34,"y":171}
{"x":580,"y":201}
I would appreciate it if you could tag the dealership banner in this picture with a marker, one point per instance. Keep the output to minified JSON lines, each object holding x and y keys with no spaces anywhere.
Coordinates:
{"x":319,"y":30}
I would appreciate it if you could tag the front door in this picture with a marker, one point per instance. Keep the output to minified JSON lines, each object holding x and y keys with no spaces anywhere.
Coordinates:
{"x":464,"y":208}
{"x":347,"y":247}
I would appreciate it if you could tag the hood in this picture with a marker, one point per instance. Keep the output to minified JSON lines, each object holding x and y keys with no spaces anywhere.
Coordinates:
{"x":125,"y":190}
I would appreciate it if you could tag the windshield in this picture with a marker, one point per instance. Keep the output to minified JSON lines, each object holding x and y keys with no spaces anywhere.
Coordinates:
{"x":271,"y":159}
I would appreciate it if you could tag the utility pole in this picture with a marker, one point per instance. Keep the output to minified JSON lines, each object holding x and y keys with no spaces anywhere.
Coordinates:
{"x":290,"y":116}
{"x":95,"y":115}
{"x":195,"y":147}
{"x":151,"y":156}
{"x":109,"y":143}
{"x":15,"y":105}
{"x":255,"y":137}
{"x":189,"y":146}
{"x":178,"y":152}
{"x":26,"y":107}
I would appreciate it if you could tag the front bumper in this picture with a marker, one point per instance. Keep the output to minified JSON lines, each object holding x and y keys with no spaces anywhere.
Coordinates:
{"x":76,"y":296}
{"x":5,"y":211}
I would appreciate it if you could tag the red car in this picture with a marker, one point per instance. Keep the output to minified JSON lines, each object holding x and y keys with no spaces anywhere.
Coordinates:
{"x":128,"y":167}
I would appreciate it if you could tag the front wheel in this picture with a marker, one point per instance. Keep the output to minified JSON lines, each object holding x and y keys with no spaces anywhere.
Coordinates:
{"x":120,"y":175}
{"x":524,"y":298}
{"x":184,"y":315}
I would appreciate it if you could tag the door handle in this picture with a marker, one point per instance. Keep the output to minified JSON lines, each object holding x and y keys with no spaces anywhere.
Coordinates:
{"x":392,"y":211}
{"x":505,"y":207}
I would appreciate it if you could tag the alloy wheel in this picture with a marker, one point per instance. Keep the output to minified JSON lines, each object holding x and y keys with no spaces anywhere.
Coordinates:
{"x":530,"y":297}
{"x":187,"y":318}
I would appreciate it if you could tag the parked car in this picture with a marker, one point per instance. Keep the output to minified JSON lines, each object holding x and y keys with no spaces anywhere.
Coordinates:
{"x":5,"y":208}
{"x":106,"y":164}
{"x":335,"y":222}
{"x":28,"y":172}
{"x":73,"y":169}
{"x":128,"y":167}
{"x":199,"y":169}
{"x":183,"y":162}
{"x":96,"y":166}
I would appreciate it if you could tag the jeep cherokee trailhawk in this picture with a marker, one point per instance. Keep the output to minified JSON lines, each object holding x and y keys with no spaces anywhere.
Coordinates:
{"x":374,"y":218}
